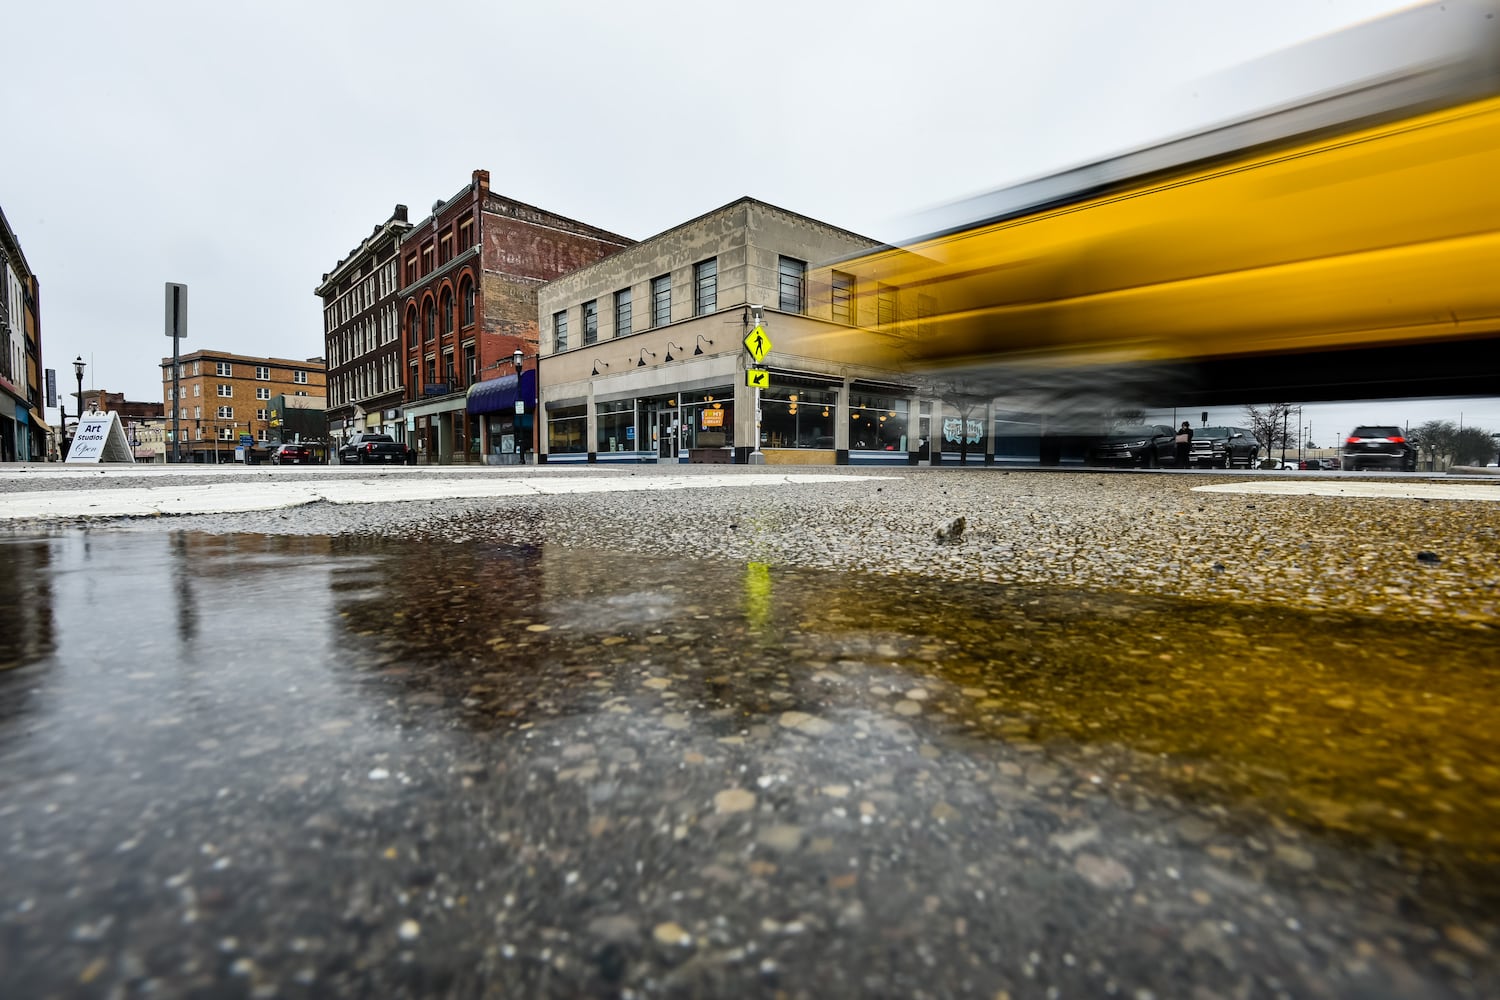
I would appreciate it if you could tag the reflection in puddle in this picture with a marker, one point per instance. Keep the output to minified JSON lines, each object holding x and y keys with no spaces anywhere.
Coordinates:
{"x":543,"y":710}
{"x":1360,"y":725}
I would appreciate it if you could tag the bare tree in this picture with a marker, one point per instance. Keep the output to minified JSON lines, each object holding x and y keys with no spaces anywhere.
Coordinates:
{"x":1269,"y":424}
{"x":967,"y":396}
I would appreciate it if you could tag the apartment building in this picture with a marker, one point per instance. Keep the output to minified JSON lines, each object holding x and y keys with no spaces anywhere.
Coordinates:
{"x":224,"y":396}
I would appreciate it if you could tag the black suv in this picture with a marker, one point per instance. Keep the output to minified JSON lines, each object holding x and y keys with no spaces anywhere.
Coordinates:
{"x":1378,"y":448}
{"x":1146,"y":446}
{"x":1223,"y":447}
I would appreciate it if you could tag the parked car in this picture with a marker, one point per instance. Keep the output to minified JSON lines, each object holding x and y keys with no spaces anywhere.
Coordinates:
{"x":1378,"y":447}
{"x":292,"y":454}
{"x":1224,"y":448}
{"x":372,"y":449}
{"x":1144,"y":446}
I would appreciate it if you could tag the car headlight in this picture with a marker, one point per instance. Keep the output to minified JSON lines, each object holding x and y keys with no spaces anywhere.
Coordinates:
{"x":1136,"y":444}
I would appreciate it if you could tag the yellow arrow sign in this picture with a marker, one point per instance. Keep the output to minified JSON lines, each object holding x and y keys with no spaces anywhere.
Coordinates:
{"x":758,"y":344}
{"x":757,"y":378}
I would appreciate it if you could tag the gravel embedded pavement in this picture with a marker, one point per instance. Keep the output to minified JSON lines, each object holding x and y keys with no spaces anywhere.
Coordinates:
{"x":1408,"y":546}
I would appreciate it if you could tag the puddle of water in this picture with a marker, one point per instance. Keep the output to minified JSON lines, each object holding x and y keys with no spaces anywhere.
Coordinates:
{"x":298,"y":684}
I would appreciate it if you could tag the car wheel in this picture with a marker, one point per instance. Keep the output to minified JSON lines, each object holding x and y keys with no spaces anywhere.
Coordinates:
{"x":1150,"y":462}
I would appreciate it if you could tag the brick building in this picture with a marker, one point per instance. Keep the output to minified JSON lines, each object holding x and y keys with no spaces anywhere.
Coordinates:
{"x":470,"y":272}
{"x":362,"y":335}
{"x":226,"y":395}
{"x":23,"y":415}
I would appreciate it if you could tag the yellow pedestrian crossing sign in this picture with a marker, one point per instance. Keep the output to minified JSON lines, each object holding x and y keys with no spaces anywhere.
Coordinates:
{"x":758,"y":344}
{"x":757,"y":378}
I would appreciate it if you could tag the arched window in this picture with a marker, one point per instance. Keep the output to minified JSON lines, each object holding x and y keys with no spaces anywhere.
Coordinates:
{"x":447,"y":312}
{"x":429,"y":326}
{"x":411,"y":325}
{"x":468,"y":294}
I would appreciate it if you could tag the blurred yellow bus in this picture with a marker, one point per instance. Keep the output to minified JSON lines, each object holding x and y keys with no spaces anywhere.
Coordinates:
{"x":1349,"y":243}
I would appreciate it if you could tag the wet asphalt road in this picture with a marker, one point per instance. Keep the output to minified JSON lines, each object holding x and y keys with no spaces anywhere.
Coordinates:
{"x":376,"y":751}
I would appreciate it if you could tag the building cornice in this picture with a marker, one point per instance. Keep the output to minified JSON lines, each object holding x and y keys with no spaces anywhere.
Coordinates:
{"x":391,"y":228}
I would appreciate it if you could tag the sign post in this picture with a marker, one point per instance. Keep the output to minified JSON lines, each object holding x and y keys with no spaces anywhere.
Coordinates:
{"x":758,"y":343}
{"x":176,"y":329}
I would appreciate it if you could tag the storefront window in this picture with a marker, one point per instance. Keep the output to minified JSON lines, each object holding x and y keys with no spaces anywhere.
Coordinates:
{"x":877,"y":423}
{"x":963,"y":434}
{"x":796,"y":417}
{"x":566,"y":427}
{"x":616,"y":425}
{"x":708,"y":420}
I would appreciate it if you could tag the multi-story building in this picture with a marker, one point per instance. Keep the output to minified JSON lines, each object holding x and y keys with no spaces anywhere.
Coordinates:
{"x":362,"y":334}
{"x":469,"y":275}
{"x":227,"y":395}
{"x":23,"y":415}
{"x":644,"y":355}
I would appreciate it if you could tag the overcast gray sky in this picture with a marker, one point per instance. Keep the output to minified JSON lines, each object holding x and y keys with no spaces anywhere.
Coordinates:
{"x":244,"y":149}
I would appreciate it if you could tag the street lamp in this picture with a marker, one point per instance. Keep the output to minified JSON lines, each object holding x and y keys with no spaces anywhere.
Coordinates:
{"x":78,"y":367}
{"x":516,"y":359}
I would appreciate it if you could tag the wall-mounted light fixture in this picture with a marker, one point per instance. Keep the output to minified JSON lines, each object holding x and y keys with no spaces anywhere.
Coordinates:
{"x":671,"y":345}
{"x":698,"y":347}
{"x":641,"y":363}
{"x":598,"y":364}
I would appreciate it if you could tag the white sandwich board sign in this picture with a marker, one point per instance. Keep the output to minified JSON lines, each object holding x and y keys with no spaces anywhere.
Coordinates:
{"x":100,"y":438}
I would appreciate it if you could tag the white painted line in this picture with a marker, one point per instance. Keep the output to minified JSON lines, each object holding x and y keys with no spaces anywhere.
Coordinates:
{"x":1360,"y":489}
{"x":235,"y":497}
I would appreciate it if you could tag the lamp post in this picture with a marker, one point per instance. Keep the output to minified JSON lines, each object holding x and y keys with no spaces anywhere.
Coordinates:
{"x":516,"y":359}
{"x":78,"y":367}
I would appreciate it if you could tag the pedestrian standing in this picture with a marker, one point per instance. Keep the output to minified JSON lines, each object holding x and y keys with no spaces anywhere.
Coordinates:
{"x":1184,"y":444}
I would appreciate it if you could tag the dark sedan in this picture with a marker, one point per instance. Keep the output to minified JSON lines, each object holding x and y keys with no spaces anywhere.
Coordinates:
{"x":292,"y":454}
{"x":1145,"y":446}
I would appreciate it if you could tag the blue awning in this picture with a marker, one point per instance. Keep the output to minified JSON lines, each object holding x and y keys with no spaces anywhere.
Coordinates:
{"x":497,"y":395}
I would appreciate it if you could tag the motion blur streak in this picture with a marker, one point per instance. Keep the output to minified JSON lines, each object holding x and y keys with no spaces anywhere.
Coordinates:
{"x":1349,"y":223}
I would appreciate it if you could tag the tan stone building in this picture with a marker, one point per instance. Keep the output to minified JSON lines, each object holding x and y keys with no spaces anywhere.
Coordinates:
{"x":224,"y":396}
{"x":643,"y":355}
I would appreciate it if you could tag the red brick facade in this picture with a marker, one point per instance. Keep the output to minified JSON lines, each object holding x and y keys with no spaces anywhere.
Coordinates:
{"x":515,"y":248}
{"x":469,"y":275}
